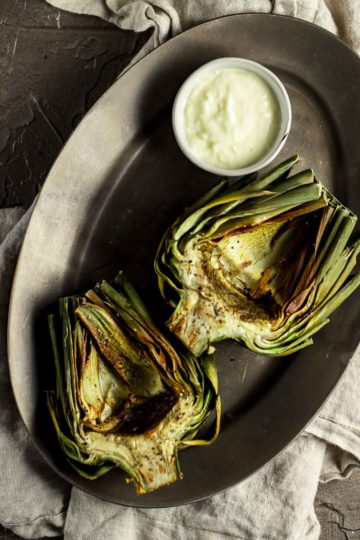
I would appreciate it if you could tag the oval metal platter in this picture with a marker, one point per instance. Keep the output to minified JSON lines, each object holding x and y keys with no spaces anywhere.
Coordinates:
{"x":121,"y":180}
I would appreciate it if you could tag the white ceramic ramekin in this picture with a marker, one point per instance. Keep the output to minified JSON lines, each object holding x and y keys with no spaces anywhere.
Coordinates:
{"x":232,"y":63}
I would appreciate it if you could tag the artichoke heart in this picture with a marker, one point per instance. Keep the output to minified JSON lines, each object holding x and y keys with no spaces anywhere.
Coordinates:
{"x":124,"y":397}
{"x":263,"y":261}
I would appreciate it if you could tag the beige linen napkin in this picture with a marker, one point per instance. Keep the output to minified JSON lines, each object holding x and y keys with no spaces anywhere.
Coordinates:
{"x":169,"y":17}
{"x":277,"y":502}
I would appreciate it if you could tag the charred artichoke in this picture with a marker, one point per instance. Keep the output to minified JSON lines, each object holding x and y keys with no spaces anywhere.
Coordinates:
{"x":124,"y":397}
{"x":264,"y":261}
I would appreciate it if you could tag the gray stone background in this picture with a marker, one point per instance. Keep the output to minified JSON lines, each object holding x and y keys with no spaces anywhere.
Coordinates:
{"x":53,"y":67}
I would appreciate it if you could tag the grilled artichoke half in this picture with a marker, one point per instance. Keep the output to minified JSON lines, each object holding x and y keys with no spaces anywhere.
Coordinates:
{"x":263,"y":261}
{"x":124,"y":397}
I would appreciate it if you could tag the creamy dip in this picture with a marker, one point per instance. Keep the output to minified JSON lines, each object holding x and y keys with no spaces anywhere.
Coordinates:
{"x":231,"y":118}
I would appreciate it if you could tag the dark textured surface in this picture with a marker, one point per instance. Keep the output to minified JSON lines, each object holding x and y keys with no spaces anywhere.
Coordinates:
{"x":54,"y":66}
{"x":338,"y":508}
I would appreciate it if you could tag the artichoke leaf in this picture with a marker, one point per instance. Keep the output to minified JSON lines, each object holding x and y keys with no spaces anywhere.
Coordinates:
{"x":266,"y":271}
{"x":124,"y":396}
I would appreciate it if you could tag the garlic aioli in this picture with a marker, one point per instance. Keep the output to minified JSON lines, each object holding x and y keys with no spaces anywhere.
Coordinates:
{"x":231,"y":118}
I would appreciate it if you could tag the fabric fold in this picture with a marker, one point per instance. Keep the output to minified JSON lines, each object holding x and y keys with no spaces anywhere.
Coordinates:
{"x":274,"y":504}
{"x":170,"y":17}
{"x":33,"y":498}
